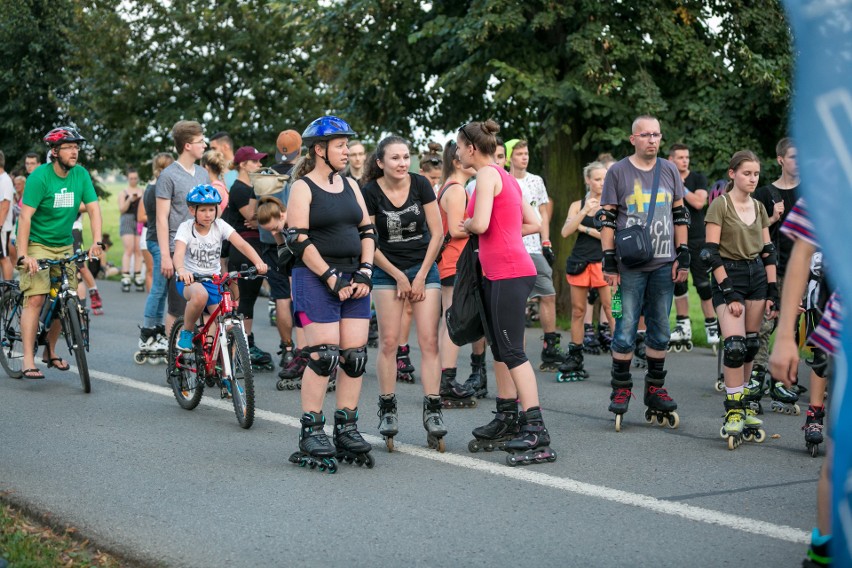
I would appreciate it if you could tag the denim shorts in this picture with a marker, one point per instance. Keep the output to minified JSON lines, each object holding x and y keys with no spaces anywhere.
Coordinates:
{"x":748,"y":277}
{"x":384,"y":281}
{"x":649,"y":294}
{"x":313,"y":302}
{"x":213,"y":294}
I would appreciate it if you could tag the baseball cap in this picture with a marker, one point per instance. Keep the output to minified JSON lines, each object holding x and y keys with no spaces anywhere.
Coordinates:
{"x":289,"y":145}
{"x":248,"y":153}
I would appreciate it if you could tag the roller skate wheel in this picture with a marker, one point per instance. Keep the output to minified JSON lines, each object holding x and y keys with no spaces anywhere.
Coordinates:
{"x":715,"y":349}
{"x":139,"y":358}
{"x":511,"y":461}
{"x":722,"y":433}
{"x":732,"y":442}
{"x":813,"y":449}
{"x":280,"y":385}
{"x":720,"y":385}
{"x":674,"y":420}
{"x":760,"y":436}
{"x":441,"y":446}
{"x":618,"y":419}
{"x":473,"y":446}
{"x":748,"y":436}
{"x":389,"y":443}
{"x":689,"y":346}
{"x":796,"y":410}
{"x":648,"y":417}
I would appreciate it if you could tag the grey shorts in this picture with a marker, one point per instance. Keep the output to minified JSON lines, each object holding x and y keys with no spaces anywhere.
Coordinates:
{"x":544,"y":277}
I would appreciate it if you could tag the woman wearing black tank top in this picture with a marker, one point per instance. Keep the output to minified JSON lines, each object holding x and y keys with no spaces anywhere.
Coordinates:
{"x":583,"y":268}
{"x":333,"y":241}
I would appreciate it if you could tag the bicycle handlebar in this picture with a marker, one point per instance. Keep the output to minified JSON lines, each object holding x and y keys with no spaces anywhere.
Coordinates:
{"x":221,"y":279}
{"x":79,"y":256}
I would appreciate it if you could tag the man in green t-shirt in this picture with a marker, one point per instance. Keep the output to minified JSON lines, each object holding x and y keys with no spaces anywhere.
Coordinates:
{"x":51,"y":203}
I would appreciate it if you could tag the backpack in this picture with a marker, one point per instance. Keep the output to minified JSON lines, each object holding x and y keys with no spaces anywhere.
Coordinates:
{"x":466,"y":316}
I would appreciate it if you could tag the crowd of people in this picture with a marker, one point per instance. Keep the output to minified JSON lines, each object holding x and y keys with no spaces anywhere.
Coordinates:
{"x":356,"y":245}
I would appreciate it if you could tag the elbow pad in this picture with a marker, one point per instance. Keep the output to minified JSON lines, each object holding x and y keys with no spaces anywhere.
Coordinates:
{"x":291,"y":239}
{"x":680,"y":215}
{"x":710,"y":256}
{"x":368,"y":232}
{"x":767,"y":255}
{"x":605,"y":218}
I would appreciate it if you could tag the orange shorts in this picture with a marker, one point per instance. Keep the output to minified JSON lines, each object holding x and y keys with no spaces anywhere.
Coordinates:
{"x":591,"y":277}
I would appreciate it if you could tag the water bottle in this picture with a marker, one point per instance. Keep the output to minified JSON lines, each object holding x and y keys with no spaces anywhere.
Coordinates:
{"x":616,"y":303}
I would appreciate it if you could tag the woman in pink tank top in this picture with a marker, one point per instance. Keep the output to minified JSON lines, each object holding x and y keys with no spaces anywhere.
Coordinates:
{"x":500,"y":217}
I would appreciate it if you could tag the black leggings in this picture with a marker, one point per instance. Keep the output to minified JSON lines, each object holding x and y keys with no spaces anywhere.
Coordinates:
{"x":249,"y":289}
{"x":505,"y":303}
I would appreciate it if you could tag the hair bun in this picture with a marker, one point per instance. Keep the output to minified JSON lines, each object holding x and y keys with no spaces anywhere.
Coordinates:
{"x":435,"y":148}
{"x":491,"y":127}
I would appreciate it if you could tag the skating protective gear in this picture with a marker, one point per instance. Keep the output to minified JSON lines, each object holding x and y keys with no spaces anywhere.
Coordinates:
{"x":291,"y":239}
{"x":62,"y":135}
{"x":368,"y":232}
{"x":204,"y":194}
{"x":610,"y":264}
{"x":324,"y":129}
{"x":354,"y":361}
{"x":339,"y":284}
{"x":360,"y":277}
{"x":729,"y":293}
{"x":605,"y":218}
{"x":735,"y":351}
{"x":684,"y":259}
{"x":771,"y":257}
{"x":711,"y":257}
{"x":593,"y":295}
{"x":819,"y":363}
{"x":329,"y":357}
{"x":752,"y":346}
{"x":547,"y":253}
{"x":680,"y":215}
{"x":773,"y":296}
{"x":705,"y":291}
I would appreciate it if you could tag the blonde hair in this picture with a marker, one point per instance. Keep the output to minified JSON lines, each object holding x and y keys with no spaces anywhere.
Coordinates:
{"x":160,"y":162}
{"x":215,"y":160}
{"x":270,"y":209}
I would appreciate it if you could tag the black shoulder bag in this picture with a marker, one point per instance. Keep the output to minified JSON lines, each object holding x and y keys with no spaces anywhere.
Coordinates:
{"x":633,"y":244}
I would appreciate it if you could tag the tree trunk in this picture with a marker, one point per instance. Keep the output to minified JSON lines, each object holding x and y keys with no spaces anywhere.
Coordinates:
{"x":563,"y":171}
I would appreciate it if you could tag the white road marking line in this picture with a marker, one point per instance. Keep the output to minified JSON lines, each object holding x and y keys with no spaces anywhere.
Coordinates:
{"x":682,"y":510}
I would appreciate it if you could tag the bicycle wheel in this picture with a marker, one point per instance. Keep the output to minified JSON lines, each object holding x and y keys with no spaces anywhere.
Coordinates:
{"x":242,"y":380}
{"x":11,"y":347}
{"x":76,"y":341}
{"x":182,"y":371}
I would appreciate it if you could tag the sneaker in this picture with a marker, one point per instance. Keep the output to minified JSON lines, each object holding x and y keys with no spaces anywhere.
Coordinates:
{"x":185,"y":341}
{"x":95,"y":298}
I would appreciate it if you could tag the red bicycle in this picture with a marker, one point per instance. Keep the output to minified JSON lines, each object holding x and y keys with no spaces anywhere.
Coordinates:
{"x":220,"y":356}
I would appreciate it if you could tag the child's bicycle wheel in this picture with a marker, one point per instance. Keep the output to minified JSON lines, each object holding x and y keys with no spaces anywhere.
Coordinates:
{"x":182,"y":371}
{"x":240,"y":375}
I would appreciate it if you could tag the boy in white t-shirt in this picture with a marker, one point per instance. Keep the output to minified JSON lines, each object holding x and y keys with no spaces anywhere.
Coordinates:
{"x":198,"y":246}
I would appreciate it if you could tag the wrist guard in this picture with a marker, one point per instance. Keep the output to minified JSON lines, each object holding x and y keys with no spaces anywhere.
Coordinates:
{"x":683,"y":257}
{"x":610,"y":264}
{"x":728,"y":291}
{"x":773,"y":297}
{"x":339,"y":284}
{"x":362,"y":278}
{"x":547,"y":252}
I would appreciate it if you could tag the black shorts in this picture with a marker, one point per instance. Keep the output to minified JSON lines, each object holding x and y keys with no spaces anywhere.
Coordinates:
{"x":748,"y":277}
{"x":449,"y":281}
{"x":505,"y":302}
{"x":279,"y":280}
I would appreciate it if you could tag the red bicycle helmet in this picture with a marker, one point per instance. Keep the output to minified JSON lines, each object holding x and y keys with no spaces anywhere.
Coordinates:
{"x":62,"y":135}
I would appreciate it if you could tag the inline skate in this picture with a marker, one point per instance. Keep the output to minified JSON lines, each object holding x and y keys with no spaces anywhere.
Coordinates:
{"x":591,"y":344}
{"x":153,"y":347}
{"x":622,"y":385}
{"x":272,"y":310}
{"x":660,"y":407}
{"x":572,"y":369}
{"x":532,"y":444}
{"x":290,"y":377}
{"x":551,"y":353}
{"x":752,"y":431}
{"x":732,"y":429}
{"x":681,"y":337}
{"x":433,"y":422}
{"x":315,"y":449}
{"x":388,"y":419}
{"x":373,"y":333}
{"x":351,"y":447}
{"x":125,"y":282}
{"x":139,"y":282}
{"x":96,"y":302}
{"x":478,"y":379}
{"x":260,"y":359}
{"x":604,"y":336}
{"x":404,"y":367}
{"x":640,"y":360}
{"x":495,"y":434}
{"x":754,"y":390}
{"x":783,"y":399}
{"x":819,"y":551}
{"x":287,"y":350}
{"x":813,"y":429}
{"x":711,"y":329}
{"x":454,"y":395}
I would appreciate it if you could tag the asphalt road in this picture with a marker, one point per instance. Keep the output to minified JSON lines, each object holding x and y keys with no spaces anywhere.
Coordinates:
{"x":140,"y":476}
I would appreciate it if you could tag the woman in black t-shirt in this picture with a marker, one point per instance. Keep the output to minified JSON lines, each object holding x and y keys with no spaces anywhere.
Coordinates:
{"x":404,"y":209}
{"x":241,"y":214}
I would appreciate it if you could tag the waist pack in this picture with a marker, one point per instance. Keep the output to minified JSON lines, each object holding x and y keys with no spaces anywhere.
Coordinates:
{"x":466,"y":316}
{"x":633,"y":244}
{"x":575,"y":267}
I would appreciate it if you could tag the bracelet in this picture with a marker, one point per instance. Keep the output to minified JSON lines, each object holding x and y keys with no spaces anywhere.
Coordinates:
{"x":546,"y":243}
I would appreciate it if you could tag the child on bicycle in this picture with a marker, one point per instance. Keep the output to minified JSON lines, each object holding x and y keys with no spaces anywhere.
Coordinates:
{"x":198,"y":245}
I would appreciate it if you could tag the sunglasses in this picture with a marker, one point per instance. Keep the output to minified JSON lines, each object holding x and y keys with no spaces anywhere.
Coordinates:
{"x":466,"y":135}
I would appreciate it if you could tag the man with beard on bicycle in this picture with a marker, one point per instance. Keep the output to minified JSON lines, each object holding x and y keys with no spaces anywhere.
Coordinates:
{"x":51,"y":203}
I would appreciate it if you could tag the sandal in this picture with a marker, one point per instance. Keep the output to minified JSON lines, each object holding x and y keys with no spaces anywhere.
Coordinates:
{"x":33,"y":374}
{"x":55,"y":362}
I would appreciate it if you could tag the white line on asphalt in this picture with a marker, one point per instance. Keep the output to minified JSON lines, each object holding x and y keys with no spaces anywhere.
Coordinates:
{"x":682,"y":510}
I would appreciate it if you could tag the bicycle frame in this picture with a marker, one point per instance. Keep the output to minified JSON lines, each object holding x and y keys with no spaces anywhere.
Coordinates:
{"x":50,"y":313}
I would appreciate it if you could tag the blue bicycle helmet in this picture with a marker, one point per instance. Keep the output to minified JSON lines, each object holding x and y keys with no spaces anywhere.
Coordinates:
{"x":203,"y":194}
{"x":326,"y":128}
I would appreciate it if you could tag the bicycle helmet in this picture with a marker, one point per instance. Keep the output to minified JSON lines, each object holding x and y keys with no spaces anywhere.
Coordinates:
{"x":61,"y":135}
{"x":204,"y":194}
{"x":324,"y":129}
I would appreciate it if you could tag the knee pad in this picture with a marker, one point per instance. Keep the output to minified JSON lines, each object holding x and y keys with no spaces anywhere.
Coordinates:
{"x":735,"y":350}
{"x":593,"y":295}
{"x":329,"y":356}
{"x":680,"y":289}
{"x":752,"y":346}
{"x":354,"y":361}
{"x":705,"y":292}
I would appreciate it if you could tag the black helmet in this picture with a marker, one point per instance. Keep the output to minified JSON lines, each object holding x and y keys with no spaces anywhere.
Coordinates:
{"x":61,"y":135}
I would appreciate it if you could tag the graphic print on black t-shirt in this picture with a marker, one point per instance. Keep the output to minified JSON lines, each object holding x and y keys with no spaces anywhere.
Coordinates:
{"x":402,"y":225}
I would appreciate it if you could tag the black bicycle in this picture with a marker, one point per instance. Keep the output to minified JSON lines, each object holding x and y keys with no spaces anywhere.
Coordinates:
{"x":61,"y":303}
